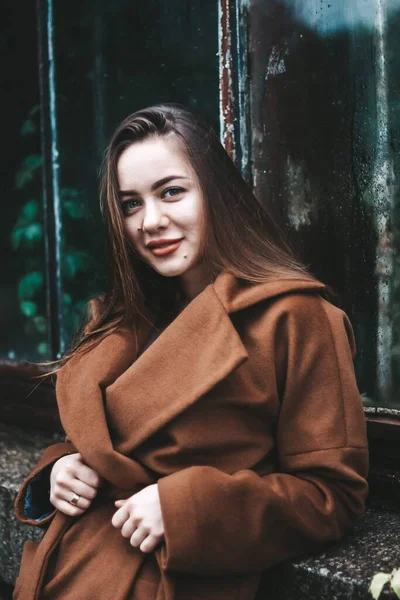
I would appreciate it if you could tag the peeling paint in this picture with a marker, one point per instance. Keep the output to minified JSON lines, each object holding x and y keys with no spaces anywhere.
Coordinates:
{"x":258,"y":139}
{"x":276,"y":63}
{"x":301,"y":206}
{"x":226,"y":94}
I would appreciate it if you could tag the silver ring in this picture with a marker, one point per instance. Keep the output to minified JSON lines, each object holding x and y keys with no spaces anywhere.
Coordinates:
{"x":74,"y":499}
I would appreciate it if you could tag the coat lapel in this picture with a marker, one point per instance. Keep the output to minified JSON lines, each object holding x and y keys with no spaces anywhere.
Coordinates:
{"x":80,"y":388}
{"x":196,"y":351}
{"x":236,"y":294}
{"x":110,"y":401}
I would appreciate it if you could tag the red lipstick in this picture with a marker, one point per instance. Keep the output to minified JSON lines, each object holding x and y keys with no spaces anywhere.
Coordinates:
{"x":164,"y":247}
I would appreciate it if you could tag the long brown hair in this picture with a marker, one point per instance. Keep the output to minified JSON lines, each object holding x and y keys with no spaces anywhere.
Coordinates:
{"x":241,"y":237}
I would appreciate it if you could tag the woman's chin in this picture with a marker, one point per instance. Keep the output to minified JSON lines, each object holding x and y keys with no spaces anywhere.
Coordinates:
{"x":170,"y":270}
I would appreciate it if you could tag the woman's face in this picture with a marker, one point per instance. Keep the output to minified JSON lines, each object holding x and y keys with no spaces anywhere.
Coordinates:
{"x":163,"y":208}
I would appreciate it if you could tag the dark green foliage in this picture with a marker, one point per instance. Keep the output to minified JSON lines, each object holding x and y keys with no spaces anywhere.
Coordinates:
{"x":26,"y":238}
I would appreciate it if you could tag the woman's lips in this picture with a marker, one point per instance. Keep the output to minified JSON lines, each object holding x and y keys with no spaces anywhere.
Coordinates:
{"x":164,"y":250}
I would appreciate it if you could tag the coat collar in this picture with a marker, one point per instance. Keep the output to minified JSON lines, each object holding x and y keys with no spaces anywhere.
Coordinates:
{"x":236,"y":294}
{"x":111,"y":400}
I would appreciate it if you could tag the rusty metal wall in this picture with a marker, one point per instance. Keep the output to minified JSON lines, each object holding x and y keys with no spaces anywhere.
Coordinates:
{"x":309,"y":110}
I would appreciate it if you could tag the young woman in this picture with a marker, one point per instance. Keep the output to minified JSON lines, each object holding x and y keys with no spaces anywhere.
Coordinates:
{"x":214,"y":426}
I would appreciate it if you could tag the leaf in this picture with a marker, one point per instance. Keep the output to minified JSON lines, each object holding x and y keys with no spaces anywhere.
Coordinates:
{"x":75,"y":209}
{"x":75,"y":262}
{"x":28,"y":308}
{"x":40,"y":324}
{"x":17,"y":235}
{"x":27,"y":170}
{"x":30,"y":285}
{"x":43,"y":348}
{"x":395,"y":583}
{"x":74,"y":203}
{"x":27,"y":127}
{"x":67,"y":298}
{"x":30,"y":210}
{"x":29,"y":234}
{"x":377,"y":584}
{"x":33,"y":233}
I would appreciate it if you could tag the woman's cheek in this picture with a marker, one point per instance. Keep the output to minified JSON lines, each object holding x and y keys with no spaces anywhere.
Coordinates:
{"x":132,"y":236}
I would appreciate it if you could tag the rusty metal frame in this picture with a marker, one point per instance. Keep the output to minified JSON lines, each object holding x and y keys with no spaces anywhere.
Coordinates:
{"x":234,"y":88}
{"x":227,"y":106}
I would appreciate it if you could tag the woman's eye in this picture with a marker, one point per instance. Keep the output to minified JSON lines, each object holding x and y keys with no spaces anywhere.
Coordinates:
{"x":129,"y":205}
{"x":172,"y":191}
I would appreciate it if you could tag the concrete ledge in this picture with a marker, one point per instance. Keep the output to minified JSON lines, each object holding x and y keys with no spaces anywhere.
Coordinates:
{"x":342,"y":572}
{"x":19,"y":452}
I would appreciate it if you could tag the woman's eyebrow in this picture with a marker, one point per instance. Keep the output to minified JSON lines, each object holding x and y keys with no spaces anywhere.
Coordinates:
{"x":155,"y":185}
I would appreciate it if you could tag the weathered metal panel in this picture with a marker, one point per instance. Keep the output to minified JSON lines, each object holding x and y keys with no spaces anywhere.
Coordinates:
{"x":325,"y":133}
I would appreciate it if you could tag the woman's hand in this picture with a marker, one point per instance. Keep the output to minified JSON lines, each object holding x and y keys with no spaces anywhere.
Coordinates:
{"x":139,"y":518}
{"x":71,"y":479}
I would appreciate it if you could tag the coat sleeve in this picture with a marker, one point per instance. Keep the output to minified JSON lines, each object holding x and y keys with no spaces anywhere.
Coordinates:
{"x":218,"y":523}
{"x":32,"y":505}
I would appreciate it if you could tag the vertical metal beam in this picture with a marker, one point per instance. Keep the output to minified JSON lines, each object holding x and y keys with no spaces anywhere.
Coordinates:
{"x":383,"y":198}
{"x":50,"y":174}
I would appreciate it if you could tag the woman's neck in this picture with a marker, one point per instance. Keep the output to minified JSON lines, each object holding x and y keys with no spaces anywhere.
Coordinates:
{"x":194,"y":285}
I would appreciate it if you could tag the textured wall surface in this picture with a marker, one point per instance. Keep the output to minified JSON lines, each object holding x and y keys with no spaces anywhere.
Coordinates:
{"x":19,"y":451}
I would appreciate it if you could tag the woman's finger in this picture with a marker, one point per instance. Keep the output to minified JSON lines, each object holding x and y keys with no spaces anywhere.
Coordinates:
{"x":67,"y":508}
{"x":128,"y":528}
{"x":88,"y":476}
{"x":78,"y":487}
{"x":119,"y":503}
{"x":78,"y":500}
{"x":138,"y":536}
{"x":150,"y":543}
{"x":120,"y":517}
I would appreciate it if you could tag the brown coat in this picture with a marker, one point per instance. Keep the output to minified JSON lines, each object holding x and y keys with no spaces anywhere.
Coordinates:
{"x":246,"y":412}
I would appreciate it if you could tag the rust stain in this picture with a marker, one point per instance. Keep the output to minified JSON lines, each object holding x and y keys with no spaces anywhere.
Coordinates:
{"x":243,"y":108}
{"x":227,"y":100}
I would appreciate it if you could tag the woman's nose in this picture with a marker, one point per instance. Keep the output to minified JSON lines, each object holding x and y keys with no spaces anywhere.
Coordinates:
{"x":154,"y":217}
